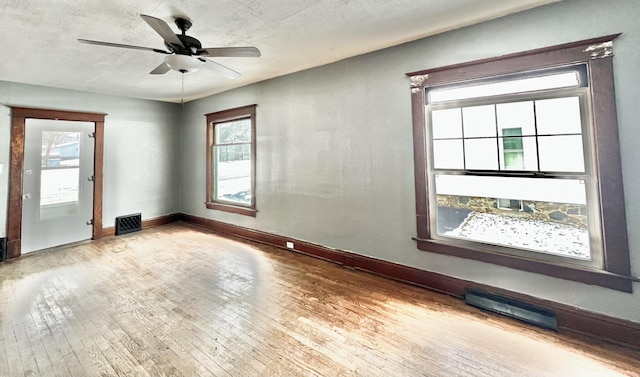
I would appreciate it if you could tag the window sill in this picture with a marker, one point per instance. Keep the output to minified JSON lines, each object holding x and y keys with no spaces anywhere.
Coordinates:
{"x":583,"y":275}
{"x":232,"y":209}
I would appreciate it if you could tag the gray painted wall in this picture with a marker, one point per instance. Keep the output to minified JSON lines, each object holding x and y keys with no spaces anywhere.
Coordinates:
{"x":334,"y":144}
{"x":141,"y":157}
{"x":334,"y":162}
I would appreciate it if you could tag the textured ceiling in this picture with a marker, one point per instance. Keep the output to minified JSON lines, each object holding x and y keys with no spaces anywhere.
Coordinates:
{"x":39,"y":38}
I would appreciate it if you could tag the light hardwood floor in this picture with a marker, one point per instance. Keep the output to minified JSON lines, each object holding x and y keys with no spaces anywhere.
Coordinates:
{"x":178,"y":301}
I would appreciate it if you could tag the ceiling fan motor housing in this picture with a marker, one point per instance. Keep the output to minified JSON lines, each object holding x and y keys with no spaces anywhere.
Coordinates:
{"x":191,"y":45}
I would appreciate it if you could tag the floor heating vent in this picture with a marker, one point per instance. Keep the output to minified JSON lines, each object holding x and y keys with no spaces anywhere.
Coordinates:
{"x":512,"y":308}
{"x":129,"y":223}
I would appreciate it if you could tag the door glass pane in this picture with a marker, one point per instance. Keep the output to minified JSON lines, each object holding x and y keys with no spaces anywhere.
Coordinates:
{"x":533,"y":214}
{"x":232,"y":165}
{"x":59,"y":174}
{"x":60,"y":149}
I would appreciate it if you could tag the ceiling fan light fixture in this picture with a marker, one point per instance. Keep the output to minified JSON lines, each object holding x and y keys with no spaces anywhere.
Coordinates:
{"x":183,"y":63}
{"x":184,"y":53}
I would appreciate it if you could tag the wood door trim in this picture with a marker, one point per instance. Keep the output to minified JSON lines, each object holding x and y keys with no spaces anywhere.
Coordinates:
{"x":19,"y":115}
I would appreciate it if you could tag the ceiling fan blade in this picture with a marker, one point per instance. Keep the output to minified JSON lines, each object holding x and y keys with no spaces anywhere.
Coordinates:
{"x":240,"y":52}
{"x":161,"y":69}
{"x":227,"y":72}
{"x":163,"y":29}
{"x":120,"y":45}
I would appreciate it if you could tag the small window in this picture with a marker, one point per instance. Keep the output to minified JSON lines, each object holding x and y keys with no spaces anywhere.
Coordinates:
{"x":509,"y":204}
{"x":231,"y":160}
{"x":518,"y":163}
{"x":513,"y":151}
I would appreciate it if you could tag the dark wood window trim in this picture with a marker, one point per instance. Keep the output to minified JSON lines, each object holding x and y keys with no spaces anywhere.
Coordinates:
{"x":16,"y":169}
{"x":597,"y":54}
{"x":225,"y":116}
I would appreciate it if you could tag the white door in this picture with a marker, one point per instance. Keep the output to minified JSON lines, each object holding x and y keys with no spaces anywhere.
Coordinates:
{"x":57,"y":190}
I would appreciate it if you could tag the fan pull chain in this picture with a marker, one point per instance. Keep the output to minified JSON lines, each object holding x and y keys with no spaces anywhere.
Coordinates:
{"x":182,"y":95}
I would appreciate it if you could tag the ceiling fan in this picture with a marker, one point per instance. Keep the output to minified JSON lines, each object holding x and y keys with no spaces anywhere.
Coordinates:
{"x":185,"y":54}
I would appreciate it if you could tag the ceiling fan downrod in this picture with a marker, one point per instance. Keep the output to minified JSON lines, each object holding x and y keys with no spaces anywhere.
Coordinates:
{"x":183,"y":24}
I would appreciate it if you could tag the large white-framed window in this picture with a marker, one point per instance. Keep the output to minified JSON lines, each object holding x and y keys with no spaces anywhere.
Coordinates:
{"x":512,"y":172}
{"x":517,"y":163}
{"x":231,"y":160}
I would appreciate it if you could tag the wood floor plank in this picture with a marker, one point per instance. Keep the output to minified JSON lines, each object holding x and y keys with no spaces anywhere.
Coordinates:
{"x":12,"y":349}
{"x":4,"y":317}
{"x":171,"y":326}
{"x":178,"y":301}
{"x":14,"y":361}
{"x":84,"y":342}
{"x":48,"y":342}
{"x":55,"y":321}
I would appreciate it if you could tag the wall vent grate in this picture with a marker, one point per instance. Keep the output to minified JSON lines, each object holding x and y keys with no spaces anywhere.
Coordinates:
{"x":128,"y":223}
{"x":512,"y":308}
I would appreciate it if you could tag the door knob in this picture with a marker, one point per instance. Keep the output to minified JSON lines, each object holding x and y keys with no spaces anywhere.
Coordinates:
{"x":26,"y":196}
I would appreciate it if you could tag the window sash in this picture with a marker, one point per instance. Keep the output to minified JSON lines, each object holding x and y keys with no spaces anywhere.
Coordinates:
{"x":559,"y":80}
{"x":453,"y":142}
{"x":533,"y":190}
{"x":238,"y":171}
{"x":596,"y":258}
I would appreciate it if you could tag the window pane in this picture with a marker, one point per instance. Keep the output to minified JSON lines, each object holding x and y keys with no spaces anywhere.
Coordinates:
{"x":448,"y":154}
{"x":558,"y":116}
{"x":561,"y":153}
{"x":237,"y":131}
{"x":446,"y":123}
{"x":512,"y":139}
{"x":540,"y":215}
{"x":516,"y":115}
{"x":560,"y":80}
{"x":509,"y":204}
{"x":233,"y":173}
{"x":518,"y":153}
{"x":479,"y":121}
{"x":513,"y":150}
{"x":481,"y":154}
{"x":513,"y":160}
{"x":539,"y":189}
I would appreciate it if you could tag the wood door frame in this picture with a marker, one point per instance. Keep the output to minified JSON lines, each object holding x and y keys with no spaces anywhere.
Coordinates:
{"x":19,"y":115}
